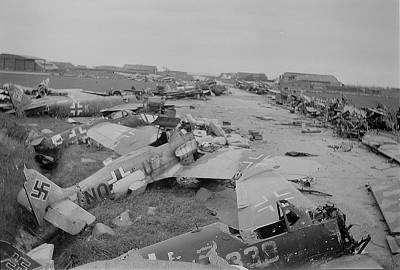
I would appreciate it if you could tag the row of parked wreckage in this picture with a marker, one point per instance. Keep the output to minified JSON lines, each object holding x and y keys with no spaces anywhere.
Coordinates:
{"x":376,"y":128}
{"x":350,"y":122}
{"x":270,"y":224}
{"x":48,"y":96}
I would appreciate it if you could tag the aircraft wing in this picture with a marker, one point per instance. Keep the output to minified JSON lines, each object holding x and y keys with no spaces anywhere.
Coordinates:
{"x":122,"y":139}
{"x":257,"y":192}
{"x":222,"y":164}
{"x":122,"y":107}
{"x":35,"y":106}
{"x":95,"y":93}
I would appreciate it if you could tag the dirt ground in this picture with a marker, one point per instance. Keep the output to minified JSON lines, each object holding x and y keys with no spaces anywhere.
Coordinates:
{"x":345,"y":175}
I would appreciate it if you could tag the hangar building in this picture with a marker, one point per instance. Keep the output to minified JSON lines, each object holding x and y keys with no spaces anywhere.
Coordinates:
{"x":293,"y":81}
{"x":14,"y":62}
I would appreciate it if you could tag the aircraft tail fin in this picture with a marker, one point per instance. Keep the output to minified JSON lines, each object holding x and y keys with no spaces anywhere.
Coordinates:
{"x":12,"y":258}
{"x":18,"y":98}
{"x":49,"y":202}
{"x":40,"y":192}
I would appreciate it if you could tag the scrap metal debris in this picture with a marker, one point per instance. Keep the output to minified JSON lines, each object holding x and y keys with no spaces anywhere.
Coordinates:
{"x":384,"y":145}
{"x":100,"y":229}
{"x":123,"y":219}
{"x":342,"y":147}
{"x":255,"y":135}
{"x":346,"y":120}
{"x":304,"y":181}
{"x":387,"y":195}
{"x":299,"y":154}
{"x":311,"y":130}
{"x":394,"y":243}
{"x":314,"y":192}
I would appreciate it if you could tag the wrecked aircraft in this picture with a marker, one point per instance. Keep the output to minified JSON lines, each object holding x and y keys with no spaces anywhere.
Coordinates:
{"x":181,"y":92}
{"x":275,"y":227}
{"x":38,"y":258}
{"x":173,"y":154}
{"x":80,"y":105}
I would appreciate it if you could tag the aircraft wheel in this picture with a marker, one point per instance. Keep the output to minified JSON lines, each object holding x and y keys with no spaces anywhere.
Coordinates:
{"x":187,"y":182}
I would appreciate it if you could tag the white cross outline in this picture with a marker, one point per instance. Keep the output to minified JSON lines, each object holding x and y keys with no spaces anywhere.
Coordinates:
{"x":73,"y":133}
{"x":82,"y":131}
{"x":265,"y":200}
{"x":76,"y":108}
{"x":114,"y":177}
{"x":250,"y":163}
{"x":131,"y":133}
{"x":57,"y":139}
{"x":152,"y":256}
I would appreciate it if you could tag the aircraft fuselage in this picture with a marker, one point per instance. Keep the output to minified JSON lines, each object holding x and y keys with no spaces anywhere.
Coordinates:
{"x":67,"y":106}
{"x":290,"y":248}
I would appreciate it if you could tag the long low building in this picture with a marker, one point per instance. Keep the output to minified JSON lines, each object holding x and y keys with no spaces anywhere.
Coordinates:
{"x":304,"y":81}
{"x":14,"y":62}
{"x":142,"y":69}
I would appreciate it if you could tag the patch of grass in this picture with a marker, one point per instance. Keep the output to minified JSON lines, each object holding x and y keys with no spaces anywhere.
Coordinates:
{"x":70,"y":168}
{"x":176,"y":212}
{"x":13,"y":156}
{"x":10,"y":127}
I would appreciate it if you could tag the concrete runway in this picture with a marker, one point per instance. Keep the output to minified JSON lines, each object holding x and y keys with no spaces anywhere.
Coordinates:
{"x":342,"y":174}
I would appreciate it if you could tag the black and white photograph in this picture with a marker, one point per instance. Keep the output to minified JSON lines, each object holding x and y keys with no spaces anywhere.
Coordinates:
{"x":199,"y":134}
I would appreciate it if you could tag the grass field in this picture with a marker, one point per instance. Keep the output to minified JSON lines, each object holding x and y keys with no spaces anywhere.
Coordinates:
{"x":65,"y":82}
{"x":13,"y":156}
{"x":176,"y":210}
{"x":176,"y":213}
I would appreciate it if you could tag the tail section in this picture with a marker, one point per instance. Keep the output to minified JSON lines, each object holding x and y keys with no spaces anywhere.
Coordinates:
{"x":13,"y":258}
{"x":49,"y":202}
{"x":40,"y":192}
{"x":18,"y":98}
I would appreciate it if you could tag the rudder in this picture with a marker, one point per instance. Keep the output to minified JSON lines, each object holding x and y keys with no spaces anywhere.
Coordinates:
{"x":40,"y":192}
{"x":18,"y":98}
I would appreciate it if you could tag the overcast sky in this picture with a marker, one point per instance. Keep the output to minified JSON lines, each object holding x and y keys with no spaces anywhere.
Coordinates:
{"x":355,"y":40}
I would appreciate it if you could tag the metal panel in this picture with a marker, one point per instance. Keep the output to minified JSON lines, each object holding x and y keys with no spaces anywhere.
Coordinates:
{"x":387,"y":195}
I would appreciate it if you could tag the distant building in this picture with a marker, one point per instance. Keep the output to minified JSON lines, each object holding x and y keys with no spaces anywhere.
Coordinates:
{"x":246,"y":76}
{"x":110,"y":68}
{"x":14,"y":62}
{"x":227,"y":76}
{"x":303,"y":81}
{"x":49,"y":66}
{"x":64,"y":66}
{"x":181,"y":75}
{"x":142,"y":69}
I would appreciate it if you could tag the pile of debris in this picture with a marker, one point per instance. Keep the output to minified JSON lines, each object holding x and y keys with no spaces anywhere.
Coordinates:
{"x":347,"y":120}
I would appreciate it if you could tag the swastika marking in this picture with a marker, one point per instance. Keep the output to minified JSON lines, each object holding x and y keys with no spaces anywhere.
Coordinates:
{"x":40,"y":188}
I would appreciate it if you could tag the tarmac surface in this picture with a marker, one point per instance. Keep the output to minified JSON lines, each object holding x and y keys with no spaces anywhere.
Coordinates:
{"x":345,"y":175}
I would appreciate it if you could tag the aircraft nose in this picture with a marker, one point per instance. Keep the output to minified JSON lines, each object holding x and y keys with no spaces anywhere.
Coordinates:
{"x":22,"y":199}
